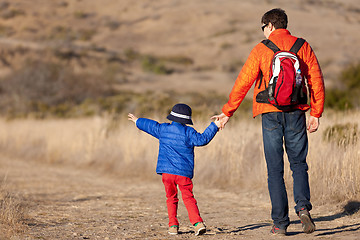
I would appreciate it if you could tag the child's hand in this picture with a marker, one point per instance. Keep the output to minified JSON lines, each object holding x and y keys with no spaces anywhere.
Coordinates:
{"x":132,"y":117}
{"x":222,"y":118}
{"x":217,"y":122}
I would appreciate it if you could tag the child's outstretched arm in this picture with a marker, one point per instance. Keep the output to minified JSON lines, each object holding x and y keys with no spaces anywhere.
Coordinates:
{"x":147,"y":125}
{"x":132,"y":117}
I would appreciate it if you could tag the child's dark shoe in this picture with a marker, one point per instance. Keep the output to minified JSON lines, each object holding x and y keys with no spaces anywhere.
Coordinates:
{"x":174,"y":230}
{"x":200,"y":228}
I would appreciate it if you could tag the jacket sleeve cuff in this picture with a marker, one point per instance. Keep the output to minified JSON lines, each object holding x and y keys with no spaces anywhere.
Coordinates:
{"x":138,"y":123}
{"x":214,"y":126}
{"x":317,"y":115}
{"x":227,"y":113}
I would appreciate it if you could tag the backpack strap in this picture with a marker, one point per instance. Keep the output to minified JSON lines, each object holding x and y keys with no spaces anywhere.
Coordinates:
{"x":294,"y":49}
{"x":261,"y":76}
{"x":270,"y":45}
{"x":297,"y":45}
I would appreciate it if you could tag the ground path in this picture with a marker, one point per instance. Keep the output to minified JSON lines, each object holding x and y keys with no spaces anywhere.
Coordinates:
{"x":72,"y":203}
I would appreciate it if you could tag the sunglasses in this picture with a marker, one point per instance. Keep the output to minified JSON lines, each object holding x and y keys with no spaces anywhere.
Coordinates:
{"x":264,"y":26}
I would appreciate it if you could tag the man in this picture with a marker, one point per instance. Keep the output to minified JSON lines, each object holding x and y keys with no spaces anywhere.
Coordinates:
{"x":279,"y":126}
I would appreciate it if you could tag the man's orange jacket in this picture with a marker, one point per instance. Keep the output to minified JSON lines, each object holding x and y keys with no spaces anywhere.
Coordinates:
{"x":259,"y":62}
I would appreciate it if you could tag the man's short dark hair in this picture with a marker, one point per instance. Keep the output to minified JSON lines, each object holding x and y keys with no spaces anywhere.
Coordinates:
{"x":277,"y":17}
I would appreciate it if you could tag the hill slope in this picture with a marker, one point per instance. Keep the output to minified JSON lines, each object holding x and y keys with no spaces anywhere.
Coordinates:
{"x":202,"y":43}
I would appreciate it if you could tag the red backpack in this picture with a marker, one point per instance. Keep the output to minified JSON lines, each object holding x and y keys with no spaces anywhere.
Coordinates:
{"x":286,"y":85}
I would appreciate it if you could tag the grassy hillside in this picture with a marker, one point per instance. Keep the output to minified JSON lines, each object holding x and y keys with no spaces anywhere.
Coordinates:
{"x":157,"y":45}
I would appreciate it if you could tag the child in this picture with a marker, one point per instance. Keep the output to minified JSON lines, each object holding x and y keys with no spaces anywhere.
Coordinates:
{"x":176,"y":160}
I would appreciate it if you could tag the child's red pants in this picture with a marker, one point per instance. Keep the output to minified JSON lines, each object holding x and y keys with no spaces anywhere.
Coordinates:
{"x":185,"y":185}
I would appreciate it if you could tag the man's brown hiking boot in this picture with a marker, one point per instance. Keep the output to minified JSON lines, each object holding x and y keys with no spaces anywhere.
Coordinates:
{"x":308,"y":224}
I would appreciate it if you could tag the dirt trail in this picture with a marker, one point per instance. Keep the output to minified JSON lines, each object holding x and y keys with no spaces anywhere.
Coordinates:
{"x":68,"y":203}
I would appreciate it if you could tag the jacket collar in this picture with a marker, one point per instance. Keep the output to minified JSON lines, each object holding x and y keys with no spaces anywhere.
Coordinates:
{"x":177,"y":123}
{"x":279,"y":32}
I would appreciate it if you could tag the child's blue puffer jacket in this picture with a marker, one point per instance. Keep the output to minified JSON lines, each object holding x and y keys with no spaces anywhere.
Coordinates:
{"x":177,"y":142}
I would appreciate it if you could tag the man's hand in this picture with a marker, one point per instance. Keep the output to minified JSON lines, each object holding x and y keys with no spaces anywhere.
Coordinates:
{"x":132,"y":117}
{"x":222,"y":118}
{"x":313,"y":124}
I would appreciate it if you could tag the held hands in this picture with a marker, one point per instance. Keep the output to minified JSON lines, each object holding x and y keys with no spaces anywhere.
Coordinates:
{"x":217,"y":123}
{"x":132,"y":117}
{"x":220,"y":120}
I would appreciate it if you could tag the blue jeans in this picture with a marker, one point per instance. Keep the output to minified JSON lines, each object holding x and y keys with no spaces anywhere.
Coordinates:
{"x":288,"y":127}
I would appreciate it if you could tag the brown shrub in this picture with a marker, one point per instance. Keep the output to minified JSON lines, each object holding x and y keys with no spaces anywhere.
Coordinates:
{"x":47,"y":85}
{"x":12,"y":213}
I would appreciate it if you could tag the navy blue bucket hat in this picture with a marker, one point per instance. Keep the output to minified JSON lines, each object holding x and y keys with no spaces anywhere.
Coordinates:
{"x":181,"y":113}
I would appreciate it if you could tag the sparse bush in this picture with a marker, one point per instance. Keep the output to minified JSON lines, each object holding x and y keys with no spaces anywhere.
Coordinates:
{"x":48,"y":86}
{"x":249,"y":37}
{"x":348,"y":97}
{"x":53,"y":83}
{"x":6,"y":31}
{"x":350,"y":76}
{"x":67,"y":33}
{"x":342,"y":134}
{"x":338,"y":99}
{"x":12,"y":213}
{"x":113,"y":25}
{"x":43,"y":90}
{"x":81,"y":15}
{"x":233,"y":66}
{"x":226,"y":45}
{"x":96,"y":48}
{"x":131,"y":54}
{"x":205,"y":68}
{"x":86,"y":34}
{"x":178,"y":60}
{"x":11,"y":13}
{"x":4,"y":5}
{"x":154,"y":65}
{"x":63,"y":4}
{"x":224,"y":32}
{"x":61,"y":32}
{"x":66,"y":54}
{"x":160,"y":65}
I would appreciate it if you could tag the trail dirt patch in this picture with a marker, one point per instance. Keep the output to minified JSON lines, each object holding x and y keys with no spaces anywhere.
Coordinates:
{"x":67,"y":203}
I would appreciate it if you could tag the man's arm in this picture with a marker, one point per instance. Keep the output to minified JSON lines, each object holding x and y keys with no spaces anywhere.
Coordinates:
{"x":246,"y":78}
{"x":316,"y":87}
{"x":315,"y":82}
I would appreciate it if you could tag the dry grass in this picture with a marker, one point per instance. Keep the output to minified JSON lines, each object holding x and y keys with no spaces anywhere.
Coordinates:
{"x":234,"y":159}
{"x":12,"y":213}
{"x":334,"y":167}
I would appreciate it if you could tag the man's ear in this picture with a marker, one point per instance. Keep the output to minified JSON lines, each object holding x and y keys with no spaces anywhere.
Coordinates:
{"x":271,"y":27}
